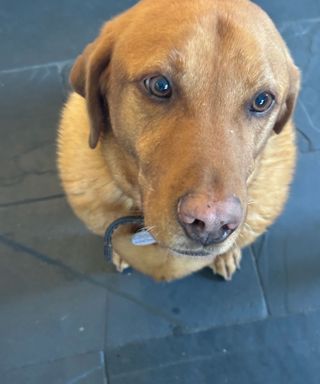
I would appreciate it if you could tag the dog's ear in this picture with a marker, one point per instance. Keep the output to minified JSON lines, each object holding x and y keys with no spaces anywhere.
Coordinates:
{"x":85,"y":78}
{"x":290,"y":102}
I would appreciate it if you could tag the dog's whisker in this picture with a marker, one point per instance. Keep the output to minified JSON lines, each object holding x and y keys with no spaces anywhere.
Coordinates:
{"x":248,"y":227}
{"x":149,"y":228}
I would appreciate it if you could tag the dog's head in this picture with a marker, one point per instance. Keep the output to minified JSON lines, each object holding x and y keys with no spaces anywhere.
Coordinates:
{"x":183,"y":96}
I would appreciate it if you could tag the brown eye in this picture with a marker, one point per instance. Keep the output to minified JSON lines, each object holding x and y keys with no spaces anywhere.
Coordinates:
{"x":158,"y":86}
{"x":262,"y":103}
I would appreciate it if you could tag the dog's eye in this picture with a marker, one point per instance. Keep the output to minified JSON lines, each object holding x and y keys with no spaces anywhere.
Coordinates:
{"x":158,"y":86}
{"x":262,"y":103}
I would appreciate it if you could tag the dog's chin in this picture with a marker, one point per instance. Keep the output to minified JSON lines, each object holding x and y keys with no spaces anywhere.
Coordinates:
{"x":206,"y":252}
{"x":192,"y":254}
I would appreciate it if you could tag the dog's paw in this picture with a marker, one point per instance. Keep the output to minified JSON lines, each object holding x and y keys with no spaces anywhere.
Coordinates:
{"x":118,"y":262}
{"x":226,"y":265}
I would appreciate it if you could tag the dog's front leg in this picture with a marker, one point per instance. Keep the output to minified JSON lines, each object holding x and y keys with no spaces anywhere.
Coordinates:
{"x":226,"y":264}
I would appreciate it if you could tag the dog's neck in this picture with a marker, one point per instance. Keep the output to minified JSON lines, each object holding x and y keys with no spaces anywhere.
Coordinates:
{"x":123,"y":168}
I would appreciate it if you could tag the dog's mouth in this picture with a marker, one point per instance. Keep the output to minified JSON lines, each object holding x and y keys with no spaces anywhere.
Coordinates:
{"x":204,"y":252}
{"x":144,"y":237}
{"x":188,"y":253}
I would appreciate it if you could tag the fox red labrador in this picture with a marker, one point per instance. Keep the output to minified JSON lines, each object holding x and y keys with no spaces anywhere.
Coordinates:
{"x":182,"y":113}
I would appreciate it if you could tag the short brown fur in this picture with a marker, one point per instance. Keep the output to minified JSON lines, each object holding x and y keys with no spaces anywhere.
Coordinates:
{"x":145,"y":153}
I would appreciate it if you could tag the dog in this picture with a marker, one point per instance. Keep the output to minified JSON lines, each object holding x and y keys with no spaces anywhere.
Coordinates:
{"x":188,"y":108}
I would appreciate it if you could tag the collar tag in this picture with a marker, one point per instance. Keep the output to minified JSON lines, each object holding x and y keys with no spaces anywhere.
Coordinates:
{"x":142,"y":238}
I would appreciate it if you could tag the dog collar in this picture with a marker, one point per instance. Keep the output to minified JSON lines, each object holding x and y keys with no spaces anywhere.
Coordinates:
{"x":140,"y":238}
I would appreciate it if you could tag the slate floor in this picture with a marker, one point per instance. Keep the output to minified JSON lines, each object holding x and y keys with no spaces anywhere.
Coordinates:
{"x":68,"y":317}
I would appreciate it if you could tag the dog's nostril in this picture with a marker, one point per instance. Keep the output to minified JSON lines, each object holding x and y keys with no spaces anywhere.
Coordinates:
{"x":225,"y":231}
{"x":199,"y":225}
{"x":226,"y":228}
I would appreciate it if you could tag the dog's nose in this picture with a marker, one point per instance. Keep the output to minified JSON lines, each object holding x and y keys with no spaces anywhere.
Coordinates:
{"x":208,"y":221}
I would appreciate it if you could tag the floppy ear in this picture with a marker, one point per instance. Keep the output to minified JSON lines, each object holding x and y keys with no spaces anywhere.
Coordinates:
{"x":289,"y":105}
{"x":85,"y":78}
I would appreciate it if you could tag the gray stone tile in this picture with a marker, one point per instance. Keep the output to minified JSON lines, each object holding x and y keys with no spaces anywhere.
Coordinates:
{"x":199,"y":302}
{"x":278,"y":350}
{"x":51,"y":234}
{"x":44,"y":31}
{"x":51,"y":324}
{"x":30,"y":103}
{"x":81,"y":369}
{"x":282,"y":11}
{"x":52,"y":303}
{"x":288,"y":255}
{"x":303,"y":38}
